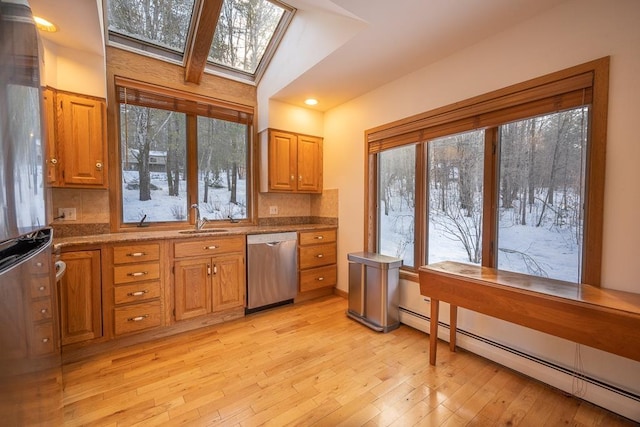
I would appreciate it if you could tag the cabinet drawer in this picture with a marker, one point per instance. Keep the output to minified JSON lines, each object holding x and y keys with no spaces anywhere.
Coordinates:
{"x":317,"y":255}
{"x":136,"y":253}
{"x":316,"y":278}
{"x":42,"y":341}
{"x":136,"y":292}
{"x":40,"y":286}
{"x":209,"y":247}
{"x":136,"y":273}
{"x":316,"y":237}
{"x":137,"y":317}
{"x":41,"y":310}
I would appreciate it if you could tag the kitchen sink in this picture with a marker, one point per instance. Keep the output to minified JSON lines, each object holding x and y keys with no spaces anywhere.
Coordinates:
{"x":203,"y":231}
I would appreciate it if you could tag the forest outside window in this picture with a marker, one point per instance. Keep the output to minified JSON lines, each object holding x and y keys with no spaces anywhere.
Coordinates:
{"x":159,"y":135}
{"x":239,"y":36}
{"x":511,"y":180}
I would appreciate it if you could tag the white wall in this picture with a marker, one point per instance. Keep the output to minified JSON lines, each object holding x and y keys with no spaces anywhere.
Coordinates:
{"x":325,"y":32}
{"x":573,"y":33}
{"x":74,"y":71}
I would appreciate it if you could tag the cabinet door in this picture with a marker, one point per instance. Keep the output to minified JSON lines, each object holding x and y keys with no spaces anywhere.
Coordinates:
{"x":50,"y":138}
{"x":228,"y":284}
{"x":192,"y":288}
{"x":81,"y":140}
{"x":80,"y":297}
{"x":282,"y":161}
{"x":309,"y":164}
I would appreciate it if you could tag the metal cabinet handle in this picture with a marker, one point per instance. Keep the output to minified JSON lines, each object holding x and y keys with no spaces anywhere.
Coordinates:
{"x":45,"y":340}
{"x":43,"y":311}
{"x":99,"y":165}
{"x":319,"y":256}
{"x":300,"y":178}
{"x":320,"y":279}
{"x":137,"y":254}
{"x":138,"y":273}
{"x":53,"y":161}
{"x":319,"y":237}
{"x":137,"y":318}
{"x":137,"y":293}
{"x":42,"y":288}
{"x":293,"y":178}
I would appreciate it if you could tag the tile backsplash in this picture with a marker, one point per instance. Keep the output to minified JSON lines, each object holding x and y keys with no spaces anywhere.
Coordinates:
{"x":92,"y":209}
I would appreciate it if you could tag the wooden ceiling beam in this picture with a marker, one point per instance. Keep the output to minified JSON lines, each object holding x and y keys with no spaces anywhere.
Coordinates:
{"x":205,"y":19}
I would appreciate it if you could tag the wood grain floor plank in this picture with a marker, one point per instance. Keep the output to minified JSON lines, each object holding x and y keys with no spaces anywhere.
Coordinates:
{"x":308,"y":365}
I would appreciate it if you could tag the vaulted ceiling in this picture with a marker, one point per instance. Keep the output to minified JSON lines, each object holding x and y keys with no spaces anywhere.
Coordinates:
{"x":378,"y":41}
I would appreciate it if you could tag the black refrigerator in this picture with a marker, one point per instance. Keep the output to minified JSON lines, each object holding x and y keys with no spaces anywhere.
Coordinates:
{"x":30,"y":365}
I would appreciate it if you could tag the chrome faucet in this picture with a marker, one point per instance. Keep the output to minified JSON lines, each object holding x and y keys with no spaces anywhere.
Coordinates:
{"x":200,"y":222}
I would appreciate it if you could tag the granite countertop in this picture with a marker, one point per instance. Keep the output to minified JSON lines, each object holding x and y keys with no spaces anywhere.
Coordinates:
{"x":140,"y":236}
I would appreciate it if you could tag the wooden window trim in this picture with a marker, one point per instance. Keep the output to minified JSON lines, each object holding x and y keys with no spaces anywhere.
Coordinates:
{"x":143,"y":94}
{"x":587,"y":83}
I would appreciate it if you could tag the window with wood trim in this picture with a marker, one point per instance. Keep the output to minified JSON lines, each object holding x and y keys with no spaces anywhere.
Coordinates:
{"x":177,"y":150}
{"x":512,"y":179}
{"x":233,"y":37}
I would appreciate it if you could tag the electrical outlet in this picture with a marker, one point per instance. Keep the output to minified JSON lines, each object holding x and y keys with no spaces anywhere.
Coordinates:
{"x":273,"y":210}
{"x":67,"y":214}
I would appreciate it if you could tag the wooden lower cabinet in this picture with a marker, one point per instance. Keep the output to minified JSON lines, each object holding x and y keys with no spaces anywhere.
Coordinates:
{"x":208,"y":284}
{"x":228,"y":282}
{"x":80,"y":297}
{"x":137,"y":287}
{"x":192,"y":288}
{"x":317,"y":258}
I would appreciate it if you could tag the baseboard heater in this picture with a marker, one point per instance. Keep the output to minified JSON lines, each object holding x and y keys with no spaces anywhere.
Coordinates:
{"x":631,"y":399}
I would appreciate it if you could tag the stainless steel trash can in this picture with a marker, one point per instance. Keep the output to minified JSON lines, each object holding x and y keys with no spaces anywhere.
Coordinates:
{"x":373,"y":290}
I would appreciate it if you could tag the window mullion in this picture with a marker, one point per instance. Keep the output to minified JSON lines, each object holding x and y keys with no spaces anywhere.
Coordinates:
{"x":421,"y":207}
{"x":192,"y":164}
{"x":490,"y":197}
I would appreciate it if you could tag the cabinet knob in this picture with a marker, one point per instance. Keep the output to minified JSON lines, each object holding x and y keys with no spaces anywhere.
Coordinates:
{"x":300,"y":178}
{"x":99,"y":166}
{"x":320,"y":279}
{"x":293,"y":178}
{"x":43,"y":311}
{"x":45,"y":340}
{"x":320,"y":256}
{"x":53,"y":161}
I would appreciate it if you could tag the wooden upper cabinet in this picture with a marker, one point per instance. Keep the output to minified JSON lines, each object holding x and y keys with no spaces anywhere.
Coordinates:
{"x":290,"y":162}
{"x":76,"y":140}
{"x":309,"y":164}
{"x":50,"y":129}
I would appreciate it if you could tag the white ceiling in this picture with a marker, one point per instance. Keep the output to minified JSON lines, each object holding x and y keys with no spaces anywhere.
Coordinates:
{"x":398,"y":37}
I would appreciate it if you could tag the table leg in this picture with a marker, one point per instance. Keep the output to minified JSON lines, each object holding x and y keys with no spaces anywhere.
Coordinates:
{"x":453,"y":324}
{"x":433,"y":331}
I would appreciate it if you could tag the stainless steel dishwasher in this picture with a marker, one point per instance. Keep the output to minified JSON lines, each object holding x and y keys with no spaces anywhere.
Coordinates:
{"x":272,"y":270}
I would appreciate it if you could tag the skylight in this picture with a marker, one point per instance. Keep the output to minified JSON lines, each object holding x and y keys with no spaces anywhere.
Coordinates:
{"x":244,"y":38}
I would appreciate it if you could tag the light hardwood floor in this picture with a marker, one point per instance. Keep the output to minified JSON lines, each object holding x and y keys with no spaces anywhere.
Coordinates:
{"x":309,"y":364}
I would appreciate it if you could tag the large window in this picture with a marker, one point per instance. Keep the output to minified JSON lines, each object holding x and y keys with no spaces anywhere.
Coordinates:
{"x":176,"y":152}
{"x":511,"y":180}
{"x":236,"y":37}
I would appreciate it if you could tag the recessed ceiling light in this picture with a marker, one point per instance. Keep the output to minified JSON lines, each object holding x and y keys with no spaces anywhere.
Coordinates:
{"x":45,"y":25}
{"x":311,"y":101}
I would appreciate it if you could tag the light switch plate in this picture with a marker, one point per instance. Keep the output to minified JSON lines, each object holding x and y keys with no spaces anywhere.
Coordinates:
{"x":67,"y":214}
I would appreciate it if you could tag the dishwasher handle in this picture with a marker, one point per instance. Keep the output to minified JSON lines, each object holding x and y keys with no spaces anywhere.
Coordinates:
{"x":272,"y":244}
